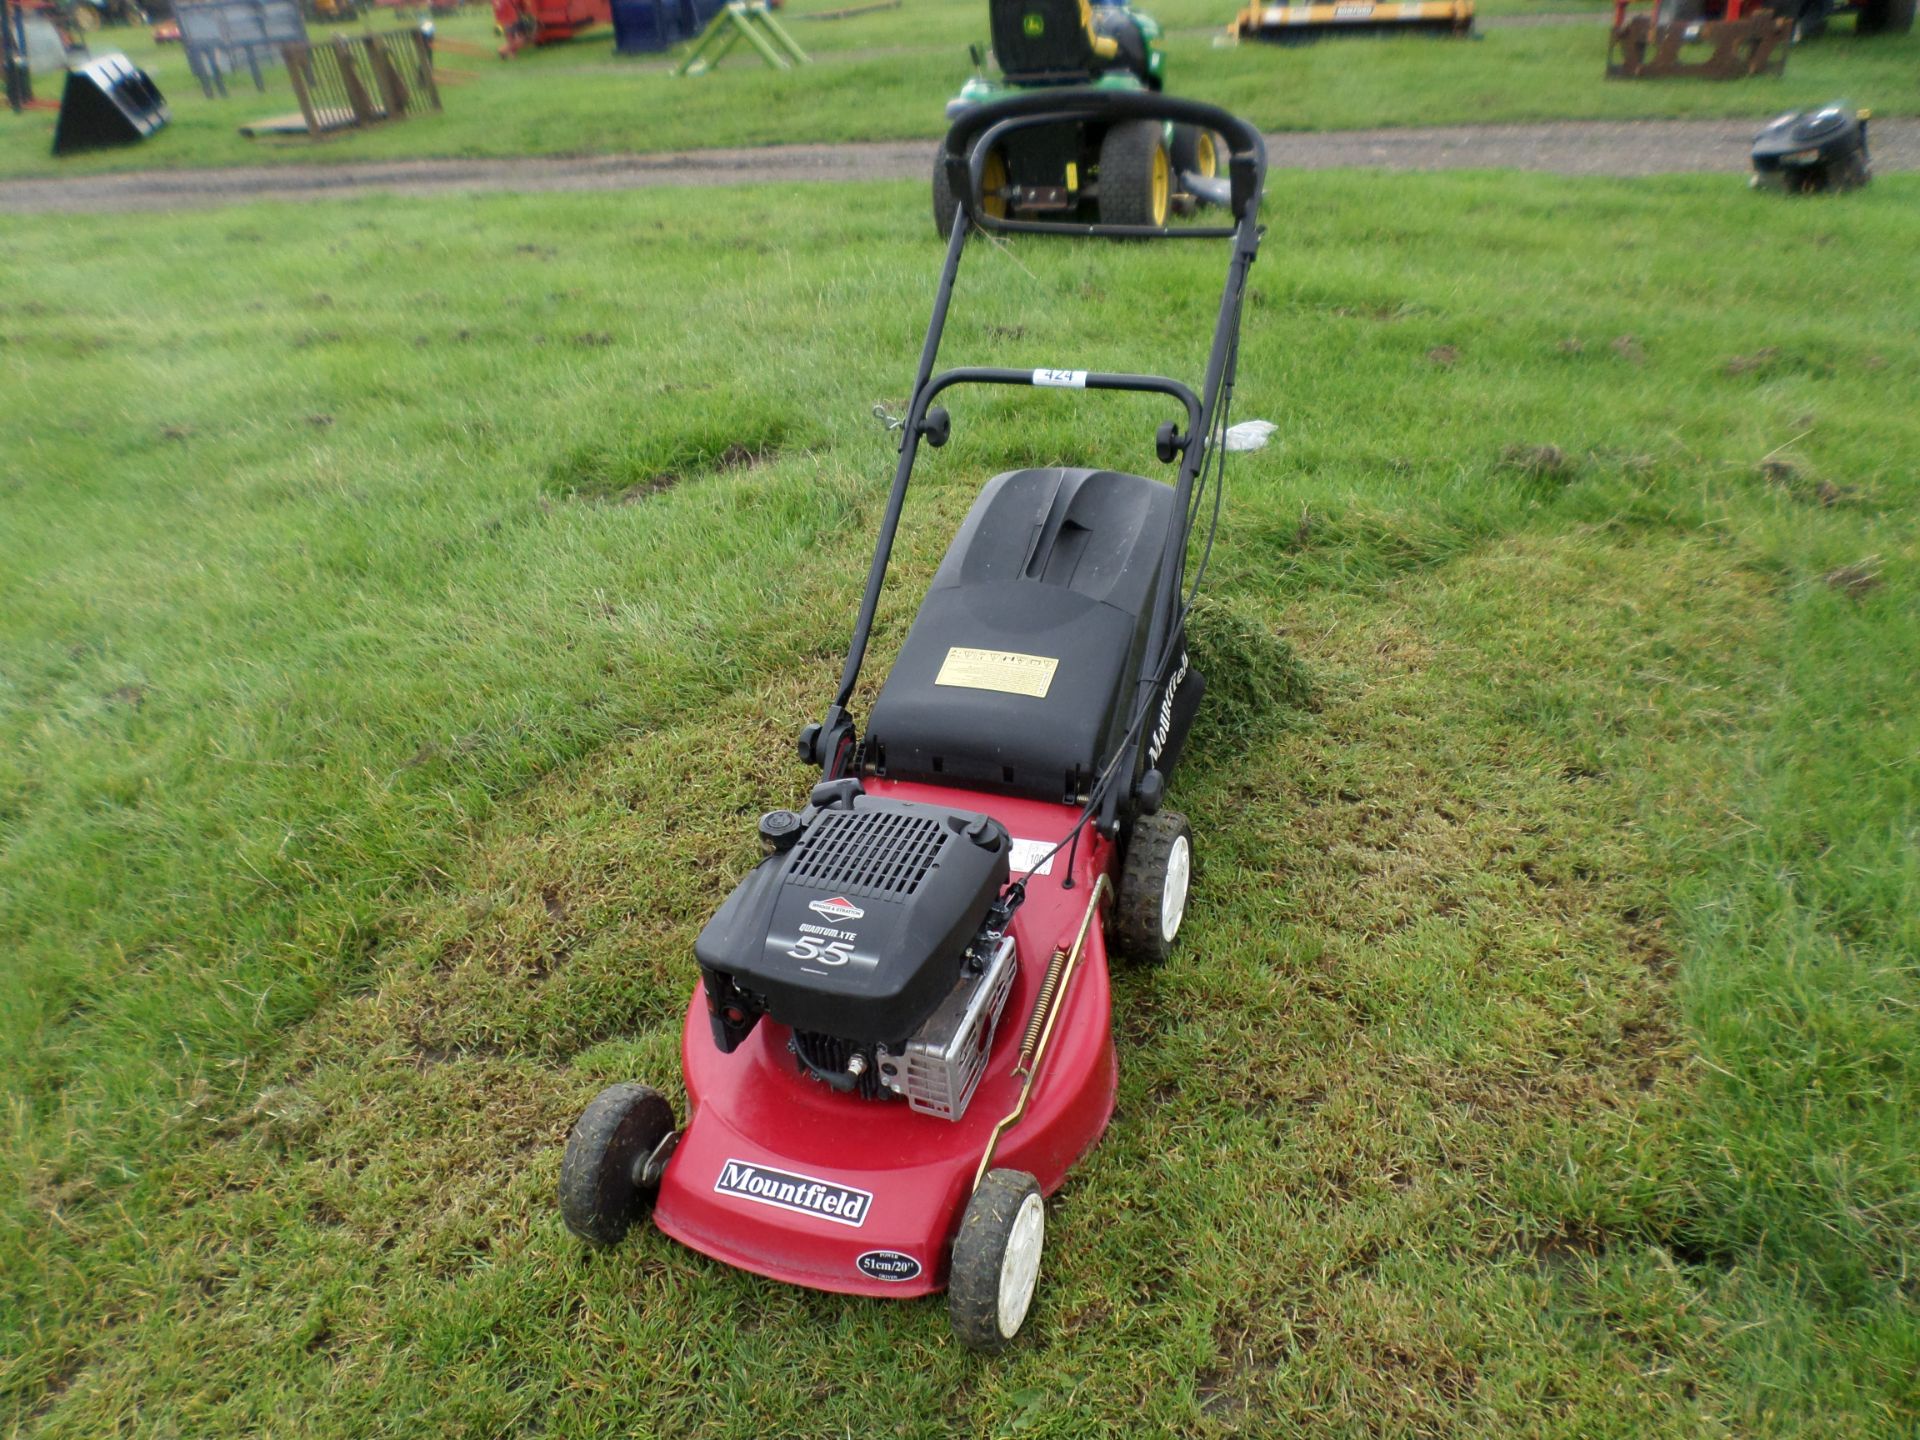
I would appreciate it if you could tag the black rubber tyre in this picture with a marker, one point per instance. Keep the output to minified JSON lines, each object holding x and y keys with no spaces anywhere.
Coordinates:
{"x":944,"y":200}
{"x":1136,"y":174}
{"x":1198,"y":152}
{"x":1885,"y":17}
{"x":993,"y":177}
{"x":996,"y":1260}
{"x":1154,"y":881}
{"x":613,"y":1137}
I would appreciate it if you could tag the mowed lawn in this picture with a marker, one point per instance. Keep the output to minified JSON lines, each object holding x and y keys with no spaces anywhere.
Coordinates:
{"x":887,"y":76}
{"x":407,"y":607}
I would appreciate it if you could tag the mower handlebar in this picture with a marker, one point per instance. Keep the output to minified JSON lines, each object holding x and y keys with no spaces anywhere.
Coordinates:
{"x":1247,"y":159}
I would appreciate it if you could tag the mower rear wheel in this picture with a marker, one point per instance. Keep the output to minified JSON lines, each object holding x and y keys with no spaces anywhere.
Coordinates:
{"x":604,"y":1181}
{"x":1154,"y":881}
{"x":996,"y":1260}
{"x":1136,"y":174}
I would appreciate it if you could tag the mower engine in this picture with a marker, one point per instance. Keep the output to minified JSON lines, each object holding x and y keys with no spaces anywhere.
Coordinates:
{"x":874,"y":930}
{"x":1809,"y":151}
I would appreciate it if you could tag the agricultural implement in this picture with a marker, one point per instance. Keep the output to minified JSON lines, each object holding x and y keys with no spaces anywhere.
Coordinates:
{"x":1731,"y":39}
{"x":1298,"y":24}
{"x":749,"y":20}
{"x":546,"y":22}
{"x":1677,"y":38}
{"x":902,"y":1038}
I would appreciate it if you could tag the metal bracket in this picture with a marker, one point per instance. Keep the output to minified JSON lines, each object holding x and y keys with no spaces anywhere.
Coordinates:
{"x":649,"y":1169}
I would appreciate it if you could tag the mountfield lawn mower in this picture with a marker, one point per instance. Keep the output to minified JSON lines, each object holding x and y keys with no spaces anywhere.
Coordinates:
{"x":1130,"y":172}
{"x":902,"y":1039}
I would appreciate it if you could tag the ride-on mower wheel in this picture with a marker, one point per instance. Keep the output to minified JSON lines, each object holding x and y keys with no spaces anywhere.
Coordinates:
{"x":996,"y":1260}
{"x":993,"y":184}
{"x":1136,"y":175}
{"x":611,"y":1170}
{"x":1152,"y":899}
{"x":1196,"y":152}
{"x":1885,"y":17}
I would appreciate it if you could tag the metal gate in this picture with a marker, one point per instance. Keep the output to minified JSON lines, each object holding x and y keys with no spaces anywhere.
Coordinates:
{"x":346,"y":83}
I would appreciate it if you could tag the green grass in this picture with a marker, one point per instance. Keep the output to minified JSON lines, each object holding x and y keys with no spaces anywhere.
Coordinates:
{"x":886,"y":76}
{"x":399,"y":636}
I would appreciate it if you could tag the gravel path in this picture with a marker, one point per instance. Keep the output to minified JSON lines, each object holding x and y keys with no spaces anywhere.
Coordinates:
{"x":1637,"y":147}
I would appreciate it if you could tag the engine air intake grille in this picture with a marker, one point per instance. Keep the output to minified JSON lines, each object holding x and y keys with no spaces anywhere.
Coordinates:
{"x":871,"y":852}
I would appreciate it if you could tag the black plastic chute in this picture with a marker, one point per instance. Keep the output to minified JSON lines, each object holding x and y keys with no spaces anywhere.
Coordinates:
{"x":109,"y":101}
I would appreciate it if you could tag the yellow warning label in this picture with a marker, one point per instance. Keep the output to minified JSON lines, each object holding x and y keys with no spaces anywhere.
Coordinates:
{"x":1002,"y":670}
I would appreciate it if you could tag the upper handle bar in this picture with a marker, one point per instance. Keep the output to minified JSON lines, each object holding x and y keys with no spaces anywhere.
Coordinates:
{"x":964,"y":161}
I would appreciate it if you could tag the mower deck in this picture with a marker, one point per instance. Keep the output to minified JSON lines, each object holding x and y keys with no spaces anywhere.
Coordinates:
{"x":753,"y":1112}
{"x":1304,"y":20}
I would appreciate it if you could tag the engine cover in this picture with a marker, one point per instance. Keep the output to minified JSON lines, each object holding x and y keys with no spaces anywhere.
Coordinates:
{"x":860,"y":927}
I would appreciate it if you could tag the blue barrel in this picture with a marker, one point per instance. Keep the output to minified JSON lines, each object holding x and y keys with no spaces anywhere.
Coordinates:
{"x":646,"y":27}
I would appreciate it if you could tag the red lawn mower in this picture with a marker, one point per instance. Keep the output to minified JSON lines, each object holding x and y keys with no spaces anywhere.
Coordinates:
{"x":902,"y":1037}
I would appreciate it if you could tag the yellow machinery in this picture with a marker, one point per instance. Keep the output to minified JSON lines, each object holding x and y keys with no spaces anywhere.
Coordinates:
{"x":1292,"y":24}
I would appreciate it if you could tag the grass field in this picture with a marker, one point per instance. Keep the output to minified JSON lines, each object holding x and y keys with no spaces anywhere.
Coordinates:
{"x":886,"y":76}
{"x":398,"y":638}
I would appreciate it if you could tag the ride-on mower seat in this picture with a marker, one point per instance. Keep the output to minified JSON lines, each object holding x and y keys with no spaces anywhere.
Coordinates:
{"x":1042,"y":42}
{"x":1019,"y":669}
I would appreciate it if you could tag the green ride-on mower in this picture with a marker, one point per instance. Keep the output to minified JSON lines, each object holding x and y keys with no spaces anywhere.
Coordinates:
{"x":1127,"y":172}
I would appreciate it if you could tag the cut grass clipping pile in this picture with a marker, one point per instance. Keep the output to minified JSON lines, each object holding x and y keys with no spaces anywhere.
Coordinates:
{"x":399,"y":638}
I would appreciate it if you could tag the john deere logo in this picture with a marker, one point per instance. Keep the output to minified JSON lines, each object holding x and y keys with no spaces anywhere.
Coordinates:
{"x":1034,"y":23}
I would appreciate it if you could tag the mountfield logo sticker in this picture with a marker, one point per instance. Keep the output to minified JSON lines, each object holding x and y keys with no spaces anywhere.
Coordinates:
{"x":801,"y":1194}
{"x":838,"y":908}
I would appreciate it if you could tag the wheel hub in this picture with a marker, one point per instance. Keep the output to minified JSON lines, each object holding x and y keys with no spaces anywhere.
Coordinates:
{"x":1020,"y":1268}
{"x":1173,"y":896}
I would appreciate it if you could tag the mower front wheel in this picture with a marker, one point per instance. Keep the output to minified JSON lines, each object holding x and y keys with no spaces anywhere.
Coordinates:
{"x":996,"y":1260}
{"x":1136,"y":175}
{"x":1154,"y":880}
{"x":610,"y":1173}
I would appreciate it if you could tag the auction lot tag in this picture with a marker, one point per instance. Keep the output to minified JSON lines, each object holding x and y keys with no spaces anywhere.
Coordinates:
{"x":1063,"y":379}
{"x":1007,"y":671}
